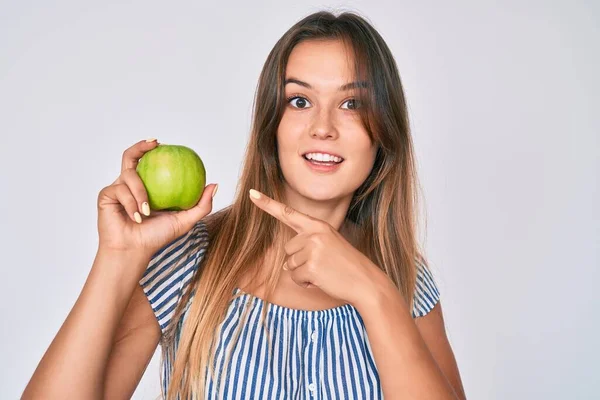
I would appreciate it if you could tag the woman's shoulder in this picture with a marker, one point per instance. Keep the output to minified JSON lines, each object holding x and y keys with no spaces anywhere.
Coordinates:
{"x":171,"y":269}
{"x":426,"y":294}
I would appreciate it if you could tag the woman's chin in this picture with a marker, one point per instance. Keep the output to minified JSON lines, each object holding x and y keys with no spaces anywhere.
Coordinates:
{"x":320,"y":195}
{"x":314,"y":193}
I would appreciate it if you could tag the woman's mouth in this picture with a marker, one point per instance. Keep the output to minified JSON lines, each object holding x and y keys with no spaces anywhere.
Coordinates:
{"x":322,"y":166}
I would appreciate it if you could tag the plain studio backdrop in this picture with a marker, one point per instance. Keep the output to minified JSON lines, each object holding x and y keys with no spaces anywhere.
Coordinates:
{"x":504,"y":103}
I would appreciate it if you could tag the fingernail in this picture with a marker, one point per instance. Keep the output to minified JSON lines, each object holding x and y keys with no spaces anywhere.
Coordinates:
{"x":254,"y":194}
{"x":138,"y":217}
{"x":285,"y":267}
{"x":146,"y":209}
{"x":215,"y":190}
{"x":150,"y":140}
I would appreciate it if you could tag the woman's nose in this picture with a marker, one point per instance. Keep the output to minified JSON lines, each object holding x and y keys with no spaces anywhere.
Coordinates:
{"x":324,"y":126}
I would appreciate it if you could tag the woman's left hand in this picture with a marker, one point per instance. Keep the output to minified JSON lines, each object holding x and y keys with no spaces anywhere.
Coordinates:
{"x":320,"y":256}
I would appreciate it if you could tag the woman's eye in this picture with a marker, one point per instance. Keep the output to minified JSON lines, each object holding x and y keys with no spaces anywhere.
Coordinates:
{"x":353,"y":104}
{"x":301,"y":102}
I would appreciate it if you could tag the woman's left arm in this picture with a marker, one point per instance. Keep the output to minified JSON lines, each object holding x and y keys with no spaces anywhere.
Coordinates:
{"x":413,"y":356}
{"x":412,"y":362}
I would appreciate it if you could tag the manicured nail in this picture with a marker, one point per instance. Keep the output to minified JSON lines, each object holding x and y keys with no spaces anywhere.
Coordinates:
{"x":254,"y":194}
{"x":138,"y":217}
{"x":215,"y":190}
{"x":150,"y":140}
{"x":146,"y":209}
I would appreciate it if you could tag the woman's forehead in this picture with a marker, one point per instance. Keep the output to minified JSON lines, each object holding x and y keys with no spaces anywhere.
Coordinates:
{"x":323,"y":65}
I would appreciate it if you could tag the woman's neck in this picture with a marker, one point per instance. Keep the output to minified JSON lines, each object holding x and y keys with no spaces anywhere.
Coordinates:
{"x":332,"y":211}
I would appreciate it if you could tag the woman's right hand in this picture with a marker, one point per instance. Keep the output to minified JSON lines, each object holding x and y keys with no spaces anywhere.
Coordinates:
{"x":123,"y":223}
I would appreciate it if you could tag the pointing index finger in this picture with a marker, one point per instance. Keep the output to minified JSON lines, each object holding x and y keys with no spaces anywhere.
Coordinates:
{"x":293,"y":218}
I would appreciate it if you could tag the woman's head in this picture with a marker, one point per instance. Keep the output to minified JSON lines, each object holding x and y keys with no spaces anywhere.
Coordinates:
{"x":366,"y":124}
{"x":370,"y":132}
{"x":321,"y":116}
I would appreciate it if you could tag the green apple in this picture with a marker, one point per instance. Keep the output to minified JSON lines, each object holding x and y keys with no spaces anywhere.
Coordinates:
{"x":174,"y":177}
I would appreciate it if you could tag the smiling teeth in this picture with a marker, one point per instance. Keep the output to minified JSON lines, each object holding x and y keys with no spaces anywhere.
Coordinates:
{"x":323,"y":157}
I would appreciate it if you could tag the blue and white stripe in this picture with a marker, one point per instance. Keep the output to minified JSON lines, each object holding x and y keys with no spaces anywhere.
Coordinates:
{"x":170,"y":271}
{"x":312,"y":354}
{"x":426,"y":292}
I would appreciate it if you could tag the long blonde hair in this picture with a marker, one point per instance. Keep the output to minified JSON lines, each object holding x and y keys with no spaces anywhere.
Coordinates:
{"x":383,"y":208}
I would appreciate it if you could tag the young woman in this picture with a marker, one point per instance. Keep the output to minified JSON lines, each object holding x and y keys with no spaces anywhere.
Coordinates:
{"x":310,"y":285}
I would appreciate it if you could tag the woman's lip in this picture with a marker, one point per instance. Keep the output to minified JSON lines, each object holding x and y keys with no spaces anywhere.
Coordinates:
{"x":323,"y":152}
{"x":322,"y":168}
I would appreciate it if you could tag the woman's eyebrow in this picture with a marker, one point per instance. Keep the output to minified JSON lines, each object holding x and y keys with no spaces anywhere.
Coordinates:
{"x":346,"y":86}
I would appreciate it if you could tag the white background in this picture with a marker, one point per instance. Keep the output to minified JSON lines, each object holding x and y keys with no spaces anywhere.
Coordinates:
{"x":504,"y":101}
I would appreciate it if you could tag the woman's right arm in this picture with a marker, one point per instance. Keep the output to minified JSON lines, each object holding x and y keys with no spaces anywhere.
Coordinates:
{"x":75,"y":364}
{"x":135,"y":341}
{"x":108,"y":338}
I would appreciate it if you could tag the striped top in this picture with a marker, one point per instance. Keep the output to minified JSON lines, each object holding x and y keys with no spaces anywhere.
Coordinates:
{"x":316,"y":355}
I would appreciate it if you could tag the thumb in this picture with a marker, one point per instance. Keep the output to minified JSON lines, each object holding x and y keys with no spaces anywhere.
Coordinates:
{"x":188,"y":218}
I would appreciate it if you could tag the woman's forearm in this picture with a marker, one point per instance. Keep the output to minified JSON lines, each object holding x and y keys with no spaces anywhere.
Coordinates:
{"x":406,"y":368}
{"x":73,"y":367}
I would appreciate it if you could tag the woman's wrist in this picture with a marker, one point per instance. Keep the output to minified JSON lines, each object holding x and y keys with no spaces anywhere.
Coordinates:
{"x":378,"y":291}
{"x":122,"y":254}
{"x":120,"y":265}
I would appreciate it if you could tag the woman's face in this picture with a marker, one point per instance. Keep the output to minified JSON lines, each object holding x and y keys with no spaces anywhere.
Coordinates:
{"x":321,"y":117}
